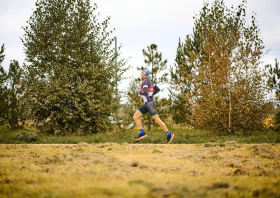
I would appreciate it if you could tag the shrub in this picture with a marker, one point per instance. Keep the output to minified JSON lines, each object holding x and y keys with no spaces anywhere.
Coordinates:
{"x":26,"y":136}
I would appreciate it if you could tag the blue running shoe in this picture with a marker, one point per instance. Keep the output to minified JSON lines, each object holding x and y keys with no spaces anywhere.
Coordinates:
{"x":170,"y":137}
{"x":141,"y":136}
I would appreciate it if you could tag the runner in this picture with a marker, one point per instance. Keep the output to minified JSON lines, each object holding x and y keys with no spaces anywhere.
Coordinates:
{"x":148,"y":90}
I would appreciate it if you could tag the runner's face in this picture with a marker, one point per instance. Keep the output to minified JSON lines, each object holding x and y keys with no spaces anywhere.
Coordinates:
{"x":143,"y":76}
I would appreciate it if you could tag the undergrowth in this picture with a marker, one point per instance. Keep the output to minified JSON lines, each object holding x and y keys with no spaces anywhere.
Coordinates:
{"x":183,"y":135}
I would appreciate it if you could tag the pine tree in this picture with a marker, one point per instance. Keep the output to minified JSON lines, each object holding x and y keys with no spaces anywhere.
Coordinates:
{"x":70,"y":71}
{"x":3,"y":89}
{"x":180,"y":86}
{"x":14,"y":93}
{"x":153,"y":60}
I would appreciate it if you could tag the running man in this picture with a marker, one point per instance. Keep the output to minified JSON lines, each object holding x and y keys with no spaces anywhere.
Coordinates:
{"x":148,"y":90}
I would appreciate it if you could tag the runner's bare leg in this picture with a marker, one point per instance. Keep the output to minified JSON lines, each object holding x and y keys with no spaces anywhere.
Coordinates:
{"x":160,"y":123}
{"x":137,"y":120}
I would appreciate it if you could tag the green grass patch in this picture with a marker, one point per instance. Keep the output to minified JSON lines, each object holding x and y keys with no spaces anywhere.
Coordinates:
{"x":183,"y":135}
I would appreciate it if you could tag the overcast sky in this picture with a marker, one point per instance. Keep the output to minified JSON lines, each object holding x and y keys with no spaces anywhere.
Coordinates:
{"x":139,"y":23}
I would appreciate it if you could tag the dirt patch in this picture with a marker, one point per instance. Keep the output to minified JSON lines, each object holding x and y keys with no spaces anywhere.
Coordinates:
{"x":168,"y":190}
{"x":218,"y":185}
{"x":239,"y":171}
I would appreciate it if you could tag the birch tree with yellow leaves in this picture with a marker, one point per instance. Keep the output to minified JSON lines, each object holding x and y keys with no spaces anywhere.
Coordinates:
{"x":223,"y":68}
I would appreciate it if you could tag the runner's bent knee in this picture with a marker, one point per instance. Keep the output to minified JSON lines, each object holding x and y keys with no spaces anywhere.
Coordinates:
{"x":136,"y":115}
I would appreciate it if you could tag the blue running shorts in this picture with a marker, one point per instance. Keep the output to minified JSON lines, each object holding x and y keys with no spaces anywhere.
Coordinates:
{"x":148,"y":107}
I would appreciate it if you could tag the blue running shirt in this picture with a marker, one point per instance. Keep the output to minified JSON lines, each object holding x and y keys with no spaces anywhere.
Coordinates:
{"x":148,"y":90}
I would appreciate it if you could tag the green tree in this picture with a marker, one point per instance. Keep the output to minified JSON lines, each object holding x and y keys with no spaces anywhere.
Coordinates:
{"x":14,"y":93}
{"x":274,"y":83}
{"x":226,"y":77}
{"x":70,"y":71}
{"x":153,"y":60}
{"x":180,"y":86}
{"x":3,"y":89}
{"x":274,"y":77}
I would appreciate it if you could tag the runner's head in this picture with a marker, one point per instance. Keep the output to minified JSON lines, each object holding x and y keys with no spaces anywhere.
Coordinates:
{"x":145,"y":73}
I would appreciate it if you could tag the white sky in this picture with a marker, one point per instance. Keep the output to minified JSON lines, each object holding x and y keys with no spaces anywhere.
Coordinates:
{"x":140,"y":23}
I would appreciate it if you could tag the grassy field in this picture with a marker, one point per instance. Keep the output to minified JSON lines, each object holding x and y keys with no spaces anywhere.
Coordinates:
{"x":227,"y":169}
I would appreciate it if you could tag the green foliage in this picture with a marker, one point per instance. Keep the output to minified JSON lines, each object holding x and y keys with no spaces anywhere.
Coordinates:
{"x":153,"y":59}
{"x":274,"y":76}
{"x":2,"y":55}
{"x":163,"y":107}
{"x":180,"y":86}
{"x":3,"y":87}
{"x":15,"y":91}
{"x":70,"y":72}
{"x":221,"y":73}
{"x":10,"y":92}
{"x":134,"y":101}
{"x":277,"y":118}
{"x":183,"y":135}
{"x":26,"y":136}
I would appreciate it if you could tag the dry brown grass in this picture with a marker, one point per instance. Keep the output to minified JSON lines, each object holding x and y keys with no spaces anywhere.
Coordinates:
{"x":215,"y":170}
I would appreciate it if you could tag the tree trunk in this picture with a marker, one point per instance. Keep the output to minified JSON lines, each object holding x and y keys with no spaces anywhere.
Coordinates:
{"x":149,"y":119}
{"x":229,"y":100}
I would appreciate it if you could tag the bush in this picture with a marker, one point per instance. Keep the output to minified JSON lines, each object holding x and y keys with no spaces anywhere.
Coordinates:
{"x":2,"y":121}
{"x":26,"y":136}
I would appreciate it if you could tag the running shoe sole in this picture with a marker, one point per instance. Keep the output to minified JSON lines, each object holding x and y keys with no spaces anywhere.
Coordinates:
{"x":142,"y":137}
{"x":172,"y":136}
